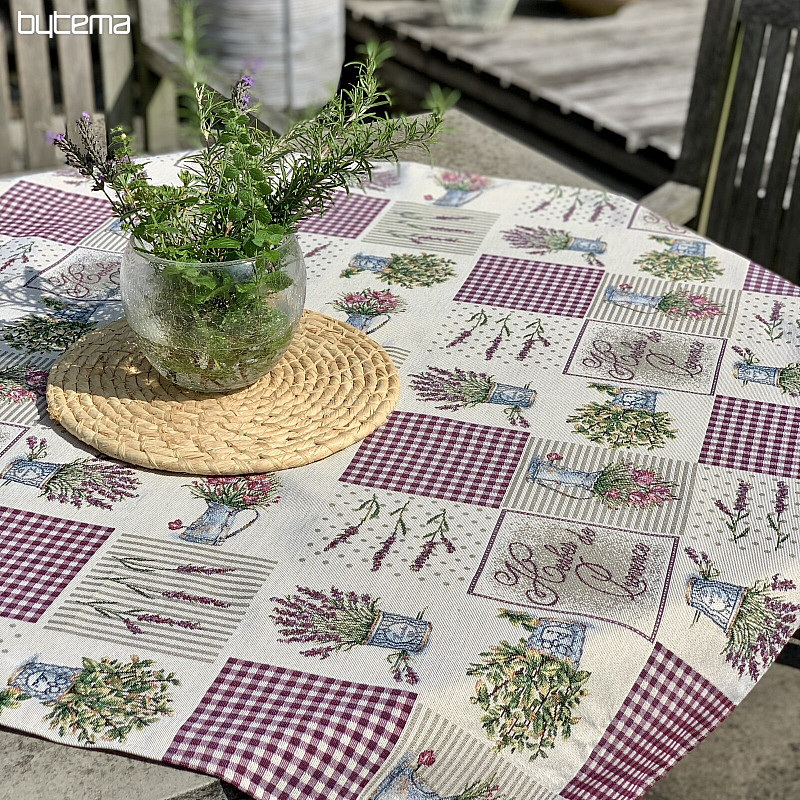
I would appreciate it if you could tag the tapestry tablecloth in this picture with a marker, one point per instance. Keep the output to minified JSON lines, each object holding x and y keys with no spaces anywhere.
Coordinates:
{"x":566,"y":557}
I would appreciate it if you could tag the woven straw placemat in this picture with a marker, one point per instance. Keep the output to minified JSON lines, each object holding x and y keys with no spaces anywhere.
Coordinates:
{"x":332,"y":388}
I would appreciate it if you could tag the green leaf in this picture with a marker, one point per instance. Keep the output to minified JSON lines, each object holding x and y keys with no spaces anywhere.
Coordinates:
{"x":221,"y":243}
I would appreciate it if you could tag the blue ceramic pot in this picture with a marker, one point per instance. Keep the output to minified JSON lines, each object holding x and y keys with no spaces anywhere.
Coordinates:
{"x":560,"y":639}
{"x":398,"y":632}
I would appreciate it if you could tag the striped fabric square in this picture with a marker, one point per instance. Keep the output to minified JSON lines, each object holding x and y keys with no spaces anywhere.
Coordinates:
{"x":285,"y":734}
{"x":753,"y":436}
{"x":764,"y":281}
{"x":39,"y":556}
{"x":668,"y":711}
{"x":437,"y":457}
{"x":29,"y":209}
{"x":531,"y":286}
{"x":348,"y":218}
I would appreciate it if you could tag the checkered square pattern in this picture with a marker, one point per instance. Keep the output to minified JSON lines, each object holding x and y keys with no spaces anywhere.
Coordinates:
{"x":753,"y":436}
{"x":282,"y":734}
{"x":39,"y":556}
{"x":669,"y":710}
{"x":29,"y":209}
{"x":762,"y":280}
{"x":436,"y":457}
{"x":348,"y":218}
{"x":531,"y":286}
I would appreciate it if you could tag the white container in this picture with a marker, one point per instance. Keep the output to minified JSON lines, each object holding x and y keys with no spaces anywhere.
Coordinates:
{"x":293,"y":49}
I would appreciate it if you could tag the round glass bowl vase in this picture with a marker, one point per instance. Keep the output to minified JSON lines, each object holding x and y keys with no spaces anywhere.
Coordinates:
{"x":213,"y":327}
{"x":488,"y":15}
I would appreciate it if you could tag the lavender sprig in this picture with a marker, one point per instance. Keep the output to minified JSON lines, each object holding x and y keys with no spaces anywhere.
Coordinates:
{"x":433,"y":538}
{"x":773,"y":327}
{"x":776,"y":521}
{"x":371,"y":508}
{"x":399,"y":529}
{"x":535,"y":336}
{"x":479,"y":319}
{"x":503,"y":332}
{"x":739,"y":514}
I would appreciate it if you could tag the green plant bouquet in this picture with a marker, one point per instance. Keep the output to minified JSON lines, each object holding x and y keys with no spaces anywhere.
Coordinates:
{"x":682,"y":261}
{"x":54,"y":331}
{"x":616,"y":426}
{"x":405,"y":269}
{"x":213,"y":283}
{"x":528,"y":696}
{"x":106,"y":698}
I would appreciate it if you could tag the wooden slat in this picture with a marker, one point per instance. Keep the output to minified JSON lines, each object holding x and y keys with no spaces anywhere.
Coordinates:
{"x":159,"y":95}
{"x":116,"y":65}
{"x":75,"y":67}
{"x":35,"y":86}
{"x":5,"y":103}
{"x":770,"y":211}
{"x":771,"y":12}
{"x":743,"y":209}
{"x":734,"y":132}
{"x":713,"y":63}
{"x":787,"y":256}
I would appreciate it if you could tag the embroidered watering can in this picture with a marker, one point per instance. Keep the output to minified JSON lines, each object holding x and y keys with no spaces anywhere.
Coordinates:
{"x":30,"y":473}
{"x":550,"y":476}
{"x":586,"y":245}
{"x":754,"y":373}
{"x":719,"y":601}
{"x":215,"y":523}
{"x":559,"y":638}
{"x":504,"y":394}
{"x":370,"y":263}
{"x":644,"y":303}
{"x":457,"y":197}
{"x":403,"y":783}
{"x":45,"y":682}
{"x":364,"y":321}
{"x":635,"y":399}
{"x":686,"y":247}
{"x":399,"y":632}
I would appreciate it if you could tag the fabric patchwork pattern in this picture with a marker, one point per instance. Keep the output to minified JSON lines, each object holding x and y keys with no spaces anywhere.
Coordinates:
{"x":283,"y":734}
{"x":349,"y":217}
{"x":531,"y":286}
{"x":29,"y":209}
{"x":437,"y":457}
{"x":762,"y":280}
{"x":39,"y":556}
{"x":669,"y":710}
{"x":753,"y":436}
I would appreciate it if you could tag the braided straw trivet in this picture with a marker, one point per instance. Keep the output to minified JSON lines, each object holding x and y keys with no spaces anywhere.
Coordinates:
{"x":332,"y":388}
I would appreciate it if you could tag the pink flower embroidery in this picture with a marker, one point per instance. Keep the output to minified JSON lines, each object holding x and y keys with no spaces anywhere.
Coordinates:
{"x":625,"y":286}
{"x":643,"y":477}
{"x":429,"y":197}
{"x":553,"y":457}
{"x":698,"y":300}
{"x":638,"y":499}
{"x":175,"y":525}
{"x":694,"y":313}
{"x":673,"y":310}
{"x":426,"y":758}
{"x":612,"y":494}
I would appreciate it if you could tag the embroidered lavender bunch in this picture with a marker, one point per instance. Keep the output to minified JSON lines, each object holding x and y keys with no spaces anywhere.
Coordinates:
{"x":759,"y":628}
{"x":458,"y":388}
{"x":339,"y":621}
{"x":22,"y":382}
{"x":93,"y":481}
{"x":238,"y":491}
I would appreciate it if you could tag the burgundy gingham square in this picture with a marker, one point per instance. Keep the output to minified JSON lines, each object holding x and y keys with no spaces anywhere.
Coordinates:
{"x":762,"y":280}
{"x":282,"y":734}
{"x":29,"y":209}
{"x":39,"y":556}
{"x":669,"y":710}
{"x":531,"y":286}
{"x":753,"y":436}
{"x":437,"y":457}
{"x":348,"y":218}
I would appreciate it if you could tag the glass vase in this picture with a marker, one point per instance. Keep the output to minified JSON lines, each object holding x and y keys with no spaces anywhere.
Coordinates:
{"x":213,"y":327}
{"x":488,"y":15}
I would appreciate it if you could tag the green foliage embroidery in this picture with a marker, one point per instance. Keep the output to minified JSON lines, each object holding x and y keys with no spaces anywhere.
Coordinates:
{"x":528,"y":697}
{"x":111,"y":699}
